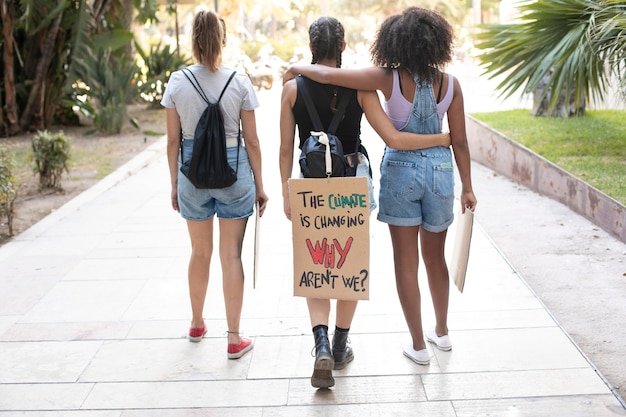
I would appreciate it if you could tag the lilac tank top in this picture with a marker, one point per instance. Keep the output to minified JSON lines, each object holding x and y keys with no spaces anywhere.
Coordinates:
{"x":399,"y":109}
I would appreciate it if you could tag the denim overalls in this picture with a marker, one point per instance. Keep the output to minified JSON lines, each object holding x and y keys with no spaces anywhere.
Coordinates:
{"x":417,"y":187}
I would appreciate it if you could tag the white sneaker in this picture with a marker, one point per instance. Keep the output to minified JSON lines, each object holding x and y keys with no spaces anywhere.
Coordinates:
{"x":442,"y":342}
{"x":420,"y":357}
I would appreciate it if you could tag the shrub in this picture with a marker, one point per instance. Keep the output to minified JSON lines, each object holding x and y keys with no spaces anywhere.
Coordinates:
{"x":252,"y":49}
{"x":8,"y":189}
{"x":107,"y":84}
{"x":51,"y":154}
{"x":285,"y":48}
{"x":158,"y":63}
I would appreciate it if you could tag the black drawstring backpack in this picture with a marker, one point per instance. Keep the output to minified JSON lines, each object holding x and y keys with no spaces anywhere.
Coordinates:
{"x":208,"y":166}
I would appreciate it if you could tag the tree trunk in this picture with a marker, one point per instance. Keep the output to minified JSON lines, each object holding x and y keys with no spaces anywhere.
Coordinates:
{"x":565,"y":107}
{"x":33,"y":115}
{"x":12,"y":127}
{"x":126,"y":19}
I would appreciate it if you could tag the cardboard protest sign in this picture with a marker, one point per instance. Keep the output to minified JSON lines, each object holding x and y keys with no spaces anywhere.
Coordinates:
{"x":461,"y":248}
{"x":330,"y":223}
{"x":257,"y":239}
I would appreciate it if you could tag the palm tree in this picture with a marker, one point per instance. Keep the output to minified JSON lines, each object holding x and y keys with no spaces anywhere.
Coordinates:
{"x":563,"y":51}
{"x":30,"y":32}
{"x":41,"y":43}
{"x":42,"y":29}
{"x":611,"y":38}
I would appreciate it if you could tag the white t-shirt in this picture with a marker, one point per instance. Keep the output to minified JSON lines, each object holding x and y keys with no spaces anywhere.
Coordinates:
{"x":181,"y":95}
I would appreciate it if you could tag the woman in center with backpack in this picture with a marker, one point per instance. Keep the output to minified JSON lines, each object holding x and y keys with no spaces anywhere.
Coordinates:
{"x":232,"y":204}
{"x":327,"y":42}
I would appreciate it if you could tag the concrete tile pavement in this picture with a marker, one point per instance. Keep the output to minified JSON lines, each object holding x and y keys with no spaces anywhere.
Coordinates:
{"x":94,"y":311}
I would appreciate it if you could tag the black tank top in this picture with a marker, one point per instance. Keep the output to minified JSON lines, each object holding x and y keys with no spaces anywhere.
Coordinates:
{"x":349,"y":130}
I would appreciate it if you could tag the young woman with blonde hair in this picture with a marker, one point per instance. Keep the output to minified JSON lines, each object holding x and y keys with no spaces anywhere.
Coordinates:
{"x":232,"y":205}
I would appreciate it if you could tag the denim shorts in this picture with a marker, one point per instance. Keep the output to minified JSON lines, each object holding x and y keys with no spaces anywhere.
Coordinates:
{"x":363,"y":170}
{"x":417,"y":188}
{"x":234,"y":202}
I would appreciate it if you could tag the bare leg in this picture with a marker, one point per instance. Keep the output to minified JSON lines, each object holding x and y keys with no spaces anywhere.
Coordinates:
{"x":406,"y":262}
{"x":345,"y":313}
{"x":319,"y":310}
{"x":201,"y":235}
{"x":438,"y":278}
{"x":231,"y":241}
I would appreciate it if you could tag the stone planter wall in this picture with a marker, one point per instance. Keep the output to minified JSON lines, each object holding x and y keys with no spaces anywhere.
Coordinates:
{"x":508,"y":158}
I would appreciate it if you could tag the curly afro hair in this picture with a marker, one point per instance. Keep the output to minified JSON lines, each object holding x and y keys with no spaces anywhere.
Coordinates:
{"x":418,"y":39}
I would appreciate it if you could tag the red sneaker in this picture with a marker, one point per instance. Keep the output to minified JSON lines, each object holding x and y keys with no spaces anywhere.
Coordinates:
{"x":237,"y":351}
{"x":196,"y":333}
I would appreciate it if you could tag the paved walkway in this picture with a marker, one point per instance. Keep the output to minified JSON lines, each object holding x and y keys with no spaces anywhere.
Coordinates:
{"x":94,"y":311}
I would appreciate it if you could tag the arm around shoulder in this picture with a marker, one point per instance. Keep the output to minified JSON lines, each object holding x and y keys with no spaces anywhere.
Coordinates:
{"x":369,"y":78}
{"x":378,"y":119}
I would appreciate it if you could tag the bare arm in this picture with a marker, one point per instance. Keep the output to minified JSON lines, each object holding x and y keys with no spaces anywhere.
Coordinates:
{"x":369,"y":79}
{"x":456,"y":121}
{"x":253,"y":147}
{"x":172,"y":123}
{"x":377,"y":118}
{"x":287,"y":137}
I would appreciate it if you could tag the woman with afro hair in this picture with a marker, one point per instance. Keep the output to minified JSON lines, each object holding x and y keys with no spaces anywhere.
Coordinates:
{"x":410,"y":53}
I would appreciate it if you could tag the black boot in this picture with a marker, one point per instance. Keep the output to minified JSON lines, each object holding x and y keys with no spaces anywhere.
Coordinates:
{"x":342,"y":352}
{"x":324,"y":362}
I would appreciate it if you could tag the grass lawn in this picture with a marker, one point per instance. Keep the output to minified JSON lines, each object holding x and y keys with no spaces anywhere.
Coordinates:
{"x":592,"y":147}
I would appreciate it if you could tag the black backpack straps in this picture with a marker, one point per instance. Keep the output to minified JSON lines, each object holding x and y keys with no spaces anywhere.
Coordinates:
{"x":315,"y":118}
{"x":239,"y":133}
{"x":196,"y":85}
{"x":227,"y":82}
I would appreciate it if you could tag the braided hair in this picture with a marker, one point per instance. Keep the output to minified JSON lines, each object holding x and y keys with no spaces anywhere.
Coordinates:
{"x":418,"y":39}
{"x":327,"y":37}
{"x":208,"y":36}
